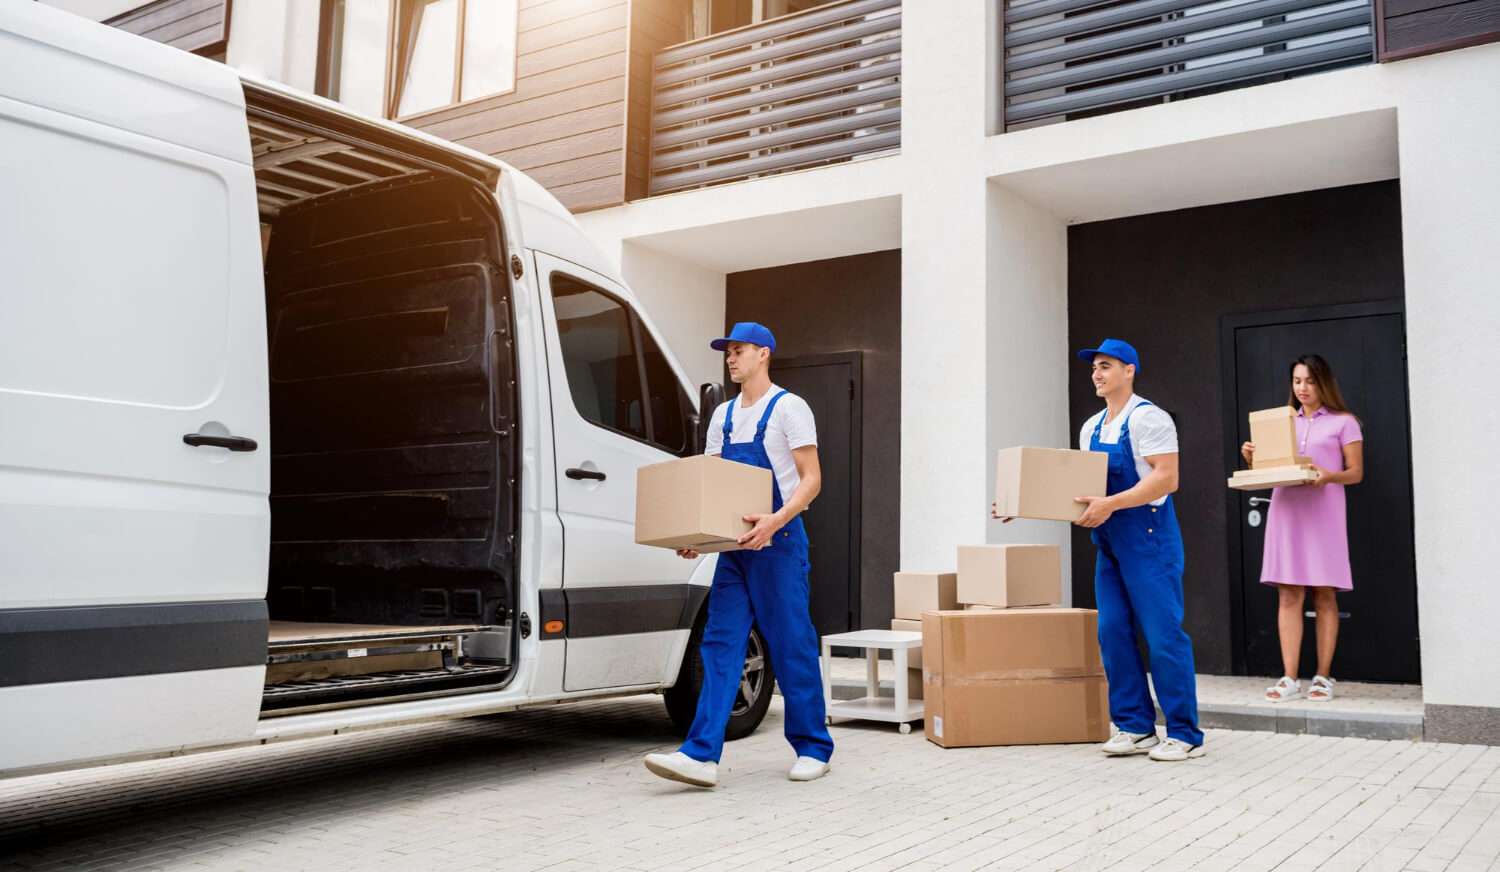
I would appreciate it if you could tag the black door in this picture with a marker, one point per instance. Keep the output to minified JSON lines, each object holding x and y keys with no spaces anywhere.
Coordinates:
{"x":1365,"y":345}
{"x":830,"y":385}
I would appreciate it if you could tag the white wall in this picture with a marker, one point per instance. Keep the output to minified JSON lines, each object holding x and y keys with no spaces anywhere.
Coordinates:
{"x":95,"y":10}
{"x":1026,"y":399}
{"x":275,"y":39}
{"x":684,"y":301}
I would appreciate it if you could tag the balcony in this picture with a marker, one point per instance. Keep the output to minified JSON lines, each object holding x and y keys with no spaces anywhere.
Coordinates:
{"x":1074,"y":58}
{"x":793,"y":92}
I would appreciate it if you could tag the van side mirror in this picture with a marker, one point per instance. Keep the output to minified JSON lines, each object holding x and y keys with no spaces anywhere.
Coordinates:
{"x":710,"y":397}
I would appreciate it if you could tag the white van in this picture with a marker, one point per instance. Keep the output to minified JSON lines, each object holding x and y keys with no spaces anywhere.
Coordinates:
{"x":308,"y":422}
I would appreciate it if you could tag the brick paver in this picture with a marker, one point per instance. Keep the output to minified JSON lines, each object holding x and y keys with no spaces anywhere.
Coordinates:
{"x":563,"y":789}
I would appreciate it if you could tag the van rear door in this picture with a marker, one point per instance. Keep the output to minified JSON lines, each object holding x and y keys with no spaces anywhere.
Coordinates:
{"x":134,"y":465}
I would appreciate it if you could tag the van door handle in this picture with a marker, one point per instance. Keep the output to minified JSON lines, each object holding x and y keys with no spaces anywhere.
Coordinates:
{"x":233,"y":443}
{"x":581,"y":474}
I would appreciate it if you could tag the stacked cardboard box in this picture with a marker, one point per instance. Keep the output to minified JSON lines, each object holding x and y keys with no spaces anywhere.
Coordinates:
{"x":916,"y":593}
{"x":1276,"y":462}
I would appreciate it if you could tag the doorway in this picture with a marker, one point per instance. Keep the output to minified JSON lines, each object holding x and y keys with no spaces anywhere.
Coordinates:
{"x":830,"y":383}
{"x":1366,"y":346}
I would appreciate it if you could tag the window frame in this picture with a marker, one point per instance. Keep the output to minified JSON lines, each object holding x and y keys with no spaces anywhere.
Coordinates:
{"x":637,"y":329}
{"x":397,"y":52}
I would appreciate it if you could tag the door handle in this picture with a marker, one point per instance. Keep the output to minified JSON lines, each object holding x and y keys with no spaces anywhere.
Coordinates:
{"x":1259,"y":501}
{"x":233,"y":443}
{"x":580,"y":474}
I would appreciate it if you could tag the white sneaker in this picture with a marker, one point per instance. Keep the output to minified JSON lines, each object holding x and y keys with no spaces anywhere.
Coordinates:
{"x":1123,"y":744}
{"x":1174,"y":750}
{"x":808,"y":769}
{"x":678,"y":766}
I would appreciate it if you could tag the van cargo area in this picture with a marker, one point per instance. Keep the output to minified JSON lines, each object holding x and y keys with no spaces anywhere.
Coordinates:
{"x":393,"y":414}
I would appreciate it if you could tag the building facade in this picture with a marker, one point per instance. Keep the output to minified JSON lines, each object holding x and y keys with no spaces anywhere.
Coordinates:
{"x":932,"y":203}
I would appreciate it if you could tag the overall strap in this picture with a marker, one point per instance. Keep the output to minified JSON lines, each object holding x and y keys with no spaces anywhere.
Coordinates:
{"x":765,"y":420}
{"x":729,"y":419}
{"x":1125,"y":424}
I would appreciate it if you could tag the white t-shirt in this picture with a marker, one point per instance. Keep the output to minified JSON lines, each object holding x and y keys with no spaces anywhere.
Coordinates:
{"x":1151,"y":432}
{"x":791,"y":426}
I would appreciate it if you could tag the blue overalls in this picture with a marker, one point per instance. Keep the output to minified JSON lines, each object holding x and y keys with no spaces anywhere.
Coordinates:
{"x":1138,"y":577}
{"x":770,"y":589}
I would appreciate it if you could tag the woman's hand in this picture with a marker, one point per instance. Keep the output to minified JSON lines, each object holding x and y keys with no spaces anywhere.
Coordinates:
{"x":759,"y":535}
{"x":1247,"y":451}
{"x":995,"y":513}
{"x":1324,"y":477}
{"x":688,"y":554}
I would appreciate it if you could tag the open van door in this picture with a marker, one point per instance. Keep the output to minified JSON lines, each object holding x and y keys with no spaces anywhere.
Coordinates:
{"x":134,"y":463}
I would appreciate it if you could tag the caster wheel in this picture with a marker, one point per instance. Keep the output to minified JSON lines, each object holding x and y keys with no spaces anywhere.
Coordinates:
{"x":905,"y":729}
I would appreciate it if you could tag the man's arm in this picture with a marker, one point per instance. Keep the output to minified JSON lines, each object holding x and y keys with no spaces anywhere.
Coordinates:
{"x":808,"y":488}
{"x":1162,"y":480}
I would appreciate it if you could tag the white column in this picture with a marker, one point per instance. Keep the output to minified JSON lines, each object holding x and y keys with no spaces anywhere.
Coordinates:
{"x":276,"y":39}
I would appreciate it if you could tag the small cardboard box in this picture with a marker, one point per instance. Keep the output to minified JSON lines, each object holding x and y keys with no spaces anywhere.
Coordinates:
{"x":698,"y":502}
{"x":1009,"y":575}
{"x":1013,"y":677}
{"x":918,"y":592}
{"x":1042,"y":483}
{"x":1274,"y":432}
{"x":1277,"y":476}
{"x":913,"y":655}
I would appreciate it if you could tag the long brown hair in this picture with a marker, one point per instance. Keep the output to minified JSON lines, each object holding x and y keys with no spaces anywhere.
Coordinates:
{"x":1328,"y":386}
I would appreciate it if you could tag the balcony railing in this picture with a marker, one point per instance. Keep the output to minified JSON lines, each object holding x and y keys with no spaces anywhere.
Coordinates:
{"x":1066,"y":58}
{"x":793,"y":92}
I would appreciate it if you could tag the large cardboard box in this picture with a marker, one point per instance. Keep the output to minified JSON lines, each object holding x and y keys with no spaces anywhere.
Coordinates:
{"x":918,"y":592}
{"x":1009,"y":575}
{"x":1042,"y":483}
{"x":1013,"y":677}
{"x":1274,"y":432}
{"x":698,"y":502}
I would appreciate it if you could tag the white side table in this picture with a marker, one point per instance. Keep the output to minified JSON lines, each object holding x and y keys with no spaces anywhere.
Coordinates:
{"x":902,"y":709}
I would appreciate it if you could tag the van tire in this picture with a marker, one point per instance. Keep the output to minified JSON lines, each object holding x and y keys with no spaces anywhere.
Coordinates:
{"x":682,"y":697}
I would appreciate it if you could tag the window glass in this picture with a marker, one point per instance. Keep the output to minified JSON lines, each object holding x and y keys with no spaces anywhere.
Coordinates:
{"x":670,"y":406}
{"x":594,"y":335}
{"x":489,"y":48}
{"x":428,"y":79}
{"x":357,"y":51}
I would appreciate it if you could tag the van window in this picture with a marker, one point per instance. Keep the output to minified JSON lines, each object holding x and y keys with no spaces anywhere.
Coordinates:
{"x":137,"y":310}
{"x":669,"y":405}
{"x":603,"y":375}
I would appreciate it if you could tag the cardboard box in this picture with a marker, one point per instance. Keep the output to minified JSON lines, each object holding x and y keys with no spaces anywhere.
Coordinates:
{"x":918,"y":592}
{"x":1265,"y":479}
{"x":1013,"y":677}
{"x":913,"y":655}
{"x":914,"y":682}
{"x":1042,"y":483}
{"x":698,"y":502}
{"x":1009,"y":575}
{"x":1274,"y":432}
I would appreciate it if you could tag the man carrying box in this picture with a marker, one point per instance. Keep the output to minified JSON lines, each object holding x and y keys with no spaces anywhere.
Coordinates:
{"x":1138,"y":575}
{"x":766,"y":583}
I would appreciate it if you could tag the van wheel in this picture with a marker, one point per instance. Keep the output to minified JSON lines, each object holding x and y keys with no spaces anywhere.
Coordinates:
{"x":757,"y":682}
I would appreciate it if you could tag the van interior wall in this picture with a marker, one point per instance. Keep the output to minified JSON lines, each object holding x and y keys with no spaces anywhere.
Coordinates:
{"x":391,"y":408}
{"x":846,"y":304}
{"x":1163,"y":282}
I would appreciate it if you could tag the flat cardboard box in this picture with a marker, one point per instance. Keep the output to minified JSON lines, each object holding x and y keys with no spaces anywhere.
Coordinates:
{"x":1013,"y":677}
{"x":918,"y":592}
{"x":913,"y":655}
{"x":1265,"y":479}
{"x":1274,"y":432}
{"x":1042,"y":483}
{"x":1009,"y":575}
{"x":698,"y":502}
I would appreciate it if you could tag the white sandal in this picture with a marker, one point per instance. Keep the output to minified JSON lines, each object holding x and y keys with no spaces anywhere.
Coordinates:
{"x":1320,"y":690}
{"x":1283,"y":690}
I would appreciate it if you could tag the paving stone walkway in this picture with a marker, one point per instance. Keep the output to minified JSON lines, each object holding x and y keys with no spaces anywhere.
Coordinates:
{"x":562,"y":788}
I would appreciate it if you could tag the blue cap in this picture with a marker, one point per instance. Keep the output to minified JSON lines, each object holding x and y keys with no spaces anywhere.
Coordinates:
{"x":746,"y":331}
{"x":1116,"y":348}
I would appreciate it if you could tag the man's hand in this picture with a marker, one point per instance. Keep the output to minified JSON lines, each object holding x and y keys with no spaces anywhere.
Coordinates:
{"x":688,"y":554}
{"x":760,"y":535}
{"x":995,"y":513}
{"x":1098,"y":511}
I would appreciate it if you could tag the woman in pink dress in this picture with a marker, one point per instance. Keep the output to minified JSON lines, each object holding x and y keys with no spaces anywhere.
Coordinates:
{"x":1307,"y":541}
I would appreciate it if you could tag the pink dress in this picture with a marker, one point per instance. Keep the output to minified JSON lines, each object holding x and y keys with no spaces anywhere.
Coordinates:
{"x":1307,"y":538}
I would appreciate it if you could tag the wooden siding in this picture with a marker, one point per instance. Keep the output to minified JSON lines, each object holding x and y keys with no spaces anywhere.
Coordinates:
{"x":564,"y":124}
{"x":655,"y":24}
{"x":200,"y":26}
{"x":1417,"y":27}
